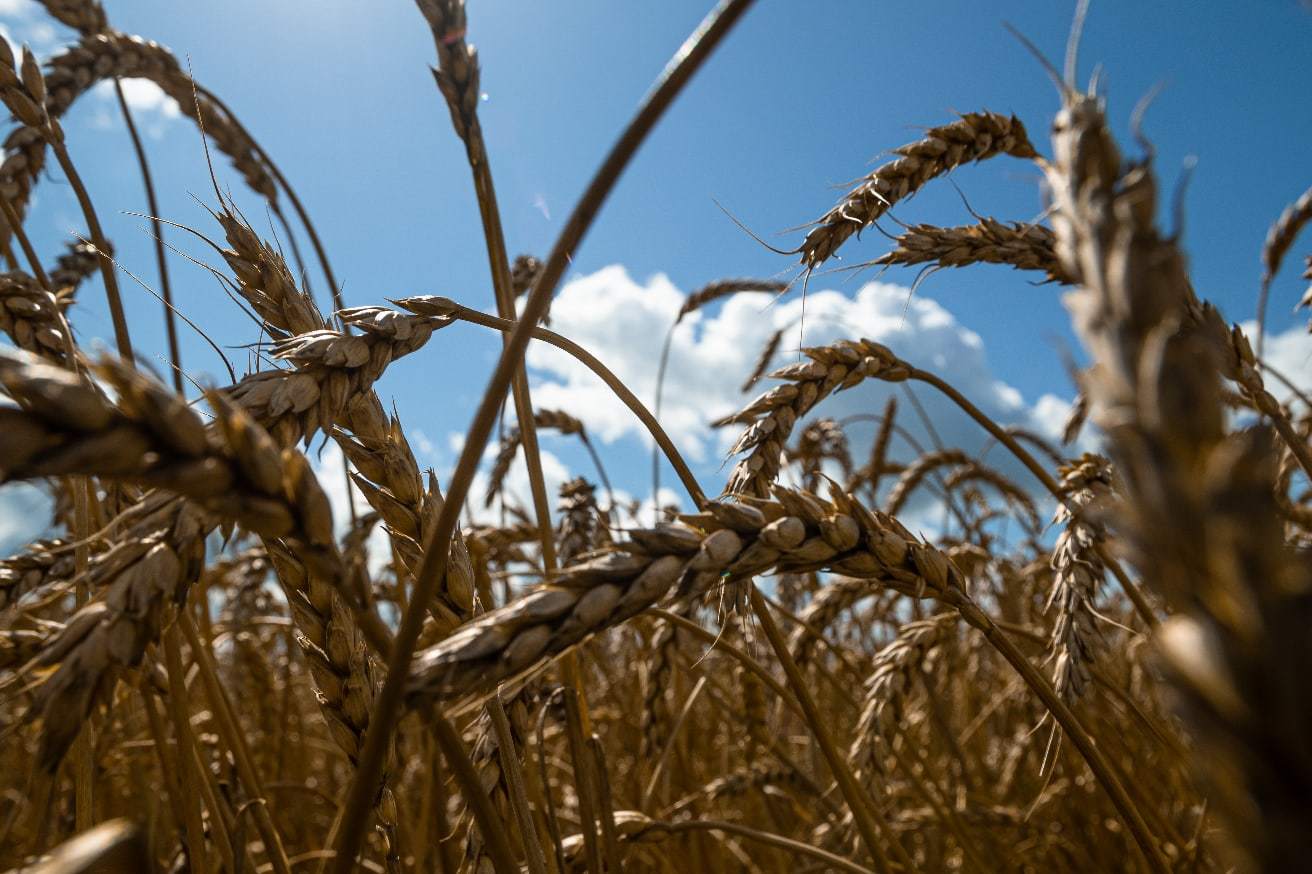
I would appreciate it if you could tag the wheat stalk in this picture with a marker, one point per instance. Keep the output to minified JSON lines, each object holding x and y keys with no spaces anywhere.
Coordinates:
{"x":1135,"y":321}
{"x":709,"y":294}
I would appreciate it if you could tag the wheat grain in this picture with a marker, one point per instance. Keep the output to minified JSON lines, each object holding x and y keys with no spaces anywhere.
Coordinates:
{"x":916,"y":472}
{"x":78,"y":263}
{"x":1283,"y":232}
{"x":556,"y":420}
{"x":827,"y":604}
{"x":583,"y":525}
{"x":1135,"y":320}
{"x":30,"y":315}
{"x":1077,"y":572}
{"x":85,"y":16}
{"x":764,"y":359}
{"x":951,"y":773}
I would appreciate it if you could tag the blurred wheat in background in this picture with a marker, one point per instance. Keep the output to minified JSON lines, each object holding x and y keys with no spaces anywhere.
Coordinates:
{"x":201,"y":672}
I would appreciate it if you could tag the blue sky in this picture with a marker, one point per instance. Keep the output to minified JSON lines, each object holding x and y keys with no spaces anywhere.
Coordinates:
{"x":801,"y":99}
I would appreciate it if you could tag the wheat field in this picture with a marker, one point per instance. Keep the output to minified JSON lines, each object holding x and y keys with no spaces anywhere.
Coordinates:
{"x":200,"y":673}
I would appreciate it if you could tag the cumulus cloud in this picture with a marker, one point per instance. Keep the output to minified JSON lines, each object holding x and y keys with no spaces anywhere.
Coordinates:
{"x":152,"y":109}
{"x":624,"y":323}
{"x":24,"y":515}
{"x":24,"y":22}
{"x":1290,"y":353}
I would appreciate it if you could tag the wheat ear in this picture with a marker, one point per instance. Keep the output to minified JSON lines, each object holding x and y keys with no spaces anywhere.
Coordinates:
{"x":975,"y":136}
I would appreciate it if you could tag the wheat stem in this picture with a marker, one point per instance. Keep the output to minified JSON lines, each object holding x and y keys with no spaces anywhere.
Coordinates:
{"x":863,"y":809}
{"x":157,"y":233}
{"x":235,"y":739}
{"x":509,"y":756}
{"x":388,"y":706}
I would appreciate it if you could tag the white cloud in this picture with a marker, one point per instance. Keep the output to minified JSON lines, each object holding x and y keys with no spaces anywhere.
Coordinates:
{"x":516,"y":486}
{"x":1051,"y":413}
{"x":152,"y":109}
{"x":1290,"y":353}
{"x":24,"y":22}
{"x":25,"y":511}
{"x":624,"y":323}
{"x":16,"y":8}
